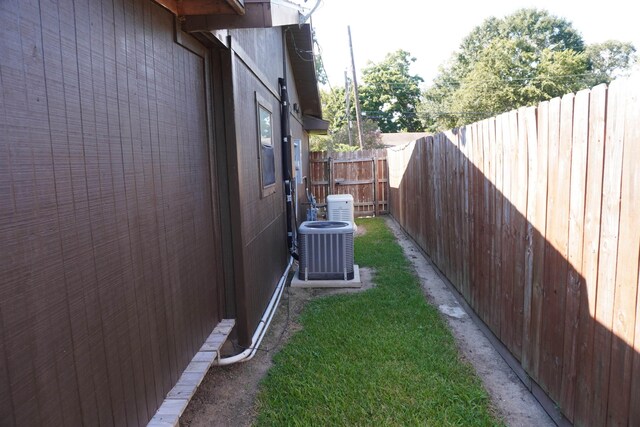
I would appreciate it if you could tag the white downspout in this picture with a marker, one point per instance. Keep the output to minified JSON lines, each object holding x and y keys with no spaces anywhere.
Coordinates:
{"x":261,"y":330}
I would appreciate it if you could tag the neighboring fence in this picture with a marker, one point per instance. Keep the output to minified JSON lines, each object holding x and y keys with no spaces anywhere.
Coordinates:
{"x":363,"y":174}
{"x":535,"y":217}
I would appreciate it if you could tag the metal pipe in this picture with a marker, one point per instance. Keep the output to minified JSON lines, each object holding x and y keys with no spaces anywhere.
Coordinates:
{"x":286,"y":155}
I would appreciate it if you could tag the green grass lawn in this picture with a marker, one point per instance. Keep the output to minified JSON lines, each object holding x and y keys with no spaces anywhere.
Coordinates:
{"x":380,"y":357}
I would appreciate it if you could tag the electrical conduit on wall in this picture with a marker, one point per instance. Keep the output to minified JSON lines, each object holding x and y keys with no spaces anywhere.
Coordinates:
{"x":263,"y":325}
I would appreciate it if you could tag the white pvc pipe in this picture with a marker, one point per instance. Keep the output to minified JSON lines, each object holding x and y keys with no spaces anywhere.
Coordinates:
{"x":263,"y":325}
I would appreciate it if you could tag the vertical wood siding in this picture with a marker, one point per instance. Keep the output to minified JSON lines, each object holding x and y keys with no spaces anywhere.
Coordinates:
{"x":533,"y":216}
{"x":108,"y":262}
{"x":262,"y":234}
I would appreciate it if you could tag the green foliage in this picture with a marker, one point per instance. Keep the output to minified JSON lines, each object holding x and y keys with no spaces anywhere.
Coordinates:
{"x":609,"y":60}
{"x":519,"y":60}
{"x":338,"y":138}
{"x":321,"y":73}
{"x":390,"y":94}
{"x":334,"y":111}
{"x":334,"y":106}
{"x":326,"y":143}
{"x":389,"y":97}
{"x":380,"y":357}
{"x":502,"y":79}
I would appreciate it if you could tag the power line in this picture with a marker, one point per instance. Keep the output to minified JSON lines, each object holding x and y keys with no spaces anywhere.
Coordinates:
{"x":299,"y":51}
{"x":499,"y":82}
{"x":439,"y":113}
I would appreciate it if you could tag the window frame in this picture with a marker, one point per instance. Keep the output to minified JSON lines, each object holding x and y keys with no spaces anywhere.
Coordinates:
{"x":270,"y":188}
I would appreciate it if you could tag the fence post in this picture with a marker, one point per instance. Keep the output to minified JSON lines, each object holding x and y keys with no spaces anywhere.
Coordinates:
{"x":375,"y":183}
{"x":331,"y":187}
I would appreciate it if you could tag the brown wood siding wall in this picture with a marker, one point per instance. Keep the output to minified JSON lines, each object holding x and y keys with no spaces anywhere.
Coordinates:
{"x":263,"y":224}
{"x":533,"y":216}
{"x":263,"y":46}
{"x":108,"y":262}
{"x":298,"y":132}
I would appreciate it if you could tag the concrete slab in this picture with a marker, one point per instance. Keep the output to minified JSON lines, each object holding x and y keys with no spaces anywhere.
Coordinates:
{"x":353,"y":283}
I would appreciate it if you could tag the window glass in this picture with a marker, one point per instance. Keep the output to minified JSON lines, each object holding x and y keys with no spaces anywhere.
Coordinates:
{"x":266,"y":153}
{"x":265,"y":126}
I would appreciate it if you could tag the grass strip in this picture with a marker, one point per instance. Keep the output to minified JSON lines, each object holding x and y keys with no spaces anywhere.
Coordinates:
{"x":380,"y":357}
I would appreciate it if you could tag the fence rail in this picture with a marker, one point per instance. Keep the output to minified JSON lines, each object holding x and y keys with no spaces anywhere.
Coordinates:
{"x":363,"y":174}
{"x":534,"y":216}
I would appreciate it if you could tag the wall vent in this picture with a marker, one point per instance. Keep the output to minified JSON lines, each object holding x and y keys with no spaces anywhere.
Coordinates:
{"x":326,"y":250}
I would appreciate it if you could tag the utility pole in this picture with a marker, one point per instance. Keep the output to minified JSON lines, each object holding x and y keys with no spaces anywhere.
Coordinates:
{"x":348,"y":105}
{"x":355,"y":89}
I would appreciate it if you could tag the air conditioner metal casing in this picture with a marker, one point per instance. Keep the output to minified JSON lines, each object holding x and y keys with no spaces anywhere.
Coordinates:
{"x":326,"y":250}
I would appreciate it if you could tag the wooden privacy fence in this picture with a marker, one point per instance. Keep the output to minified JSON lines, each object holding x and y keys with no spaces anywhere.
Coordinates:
{"x":534,"y":216}
{"x":363,"y":174}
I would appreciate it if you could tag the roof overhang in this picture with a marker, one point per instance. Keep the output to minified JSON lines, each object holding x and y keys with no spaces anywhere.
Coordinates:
{"x":210,"y":16}
{"x":300,"y":48}
{"x":315,"y":125}
{"x":258,"y":14}
{"x":204,"y":7}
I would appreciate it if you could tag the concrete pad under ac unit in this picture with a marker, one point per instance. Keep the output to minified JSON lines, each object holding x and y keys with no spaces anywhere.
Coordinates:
{"x":296,"y":282}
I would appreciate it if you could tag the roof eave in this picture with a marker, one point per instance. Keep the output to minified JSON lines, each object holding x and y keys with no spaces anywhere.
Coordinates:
{"x":185,"y":8}
{"x":300,"y":47}
{"x":258,"y":14}
{"x":315,"y":125}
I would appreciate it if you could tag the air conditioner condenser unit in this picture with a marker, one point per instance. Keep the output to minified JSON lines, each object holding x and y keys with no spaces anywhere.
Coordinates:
{"x":326,"y":250}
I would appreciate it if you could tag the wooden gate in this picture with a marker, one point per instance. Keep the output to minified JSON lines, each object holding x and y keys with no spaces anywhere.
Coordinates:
{"x":363,"y":174}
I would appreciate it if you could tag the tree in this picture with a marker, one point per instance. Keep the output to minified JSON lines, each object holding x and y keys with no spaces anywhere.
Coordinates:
{"x":333,"y":110}
{"x":390,"y":95}
{"x":609,"y":60}
{"x":333,"y":107}
{"x":522,"y":59}
{"x":338,"y":138}
{"x":502,"y":79}
{"x":321,"y":73}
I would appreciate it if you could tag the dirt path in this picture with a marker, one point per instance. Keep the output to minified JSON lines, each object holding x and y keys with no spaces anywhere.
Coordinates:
{"x":227,"y":395}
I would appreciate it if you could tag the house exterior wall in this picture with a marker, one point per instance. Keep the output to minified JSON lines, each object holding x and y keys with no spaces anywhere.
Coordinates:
{"x":263,"y":218}
{"x":263,"y":227}
{"x":109,"y":279}
{"x":298,"y":132}
{"x":262,"y":234}
{"x":112,"y":238}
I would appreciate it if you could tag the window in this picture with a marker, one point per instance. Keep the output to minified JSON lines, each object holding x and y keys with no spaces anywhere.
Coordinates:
{"x":266,"y":155}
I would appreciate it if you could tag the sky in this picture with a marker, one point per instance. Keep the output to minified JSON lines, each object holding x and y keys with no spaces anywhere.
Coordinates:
{"x":431,"y":31}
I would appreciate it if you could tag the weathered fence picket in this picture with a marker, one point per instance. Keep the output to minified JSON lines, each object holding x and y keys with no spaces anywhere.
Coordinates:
{"x":363,"y":174}
{"x":533,"y":216}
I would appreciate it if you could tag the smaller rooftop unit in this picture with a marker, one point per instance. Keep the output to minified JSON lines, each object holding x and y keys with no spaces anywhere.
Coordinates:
{"x":326,"y":250}
{"x":340,"y":207}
